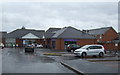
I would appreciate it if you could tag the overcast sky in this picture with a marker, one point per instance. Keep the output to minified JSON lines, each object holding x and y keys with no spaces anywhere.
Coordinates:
{"x":42,"y":15}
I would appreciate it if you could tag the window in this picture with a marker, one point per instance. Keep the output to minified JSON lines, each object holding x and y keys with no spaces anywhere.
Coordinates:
{"x":10,"y":42}
{"x":100,"y":36}
{"x":95,"y":47}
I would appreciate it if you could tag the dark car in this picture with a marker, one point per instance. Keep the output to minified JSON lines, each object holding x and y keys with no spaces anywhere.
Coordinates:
{"x":72,"y":47}
{"x":29,"y":48}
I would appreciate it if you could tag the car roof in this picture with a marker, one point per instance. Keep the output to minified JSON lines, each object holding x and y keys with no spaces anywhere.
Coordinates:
{"x":93,"y":45}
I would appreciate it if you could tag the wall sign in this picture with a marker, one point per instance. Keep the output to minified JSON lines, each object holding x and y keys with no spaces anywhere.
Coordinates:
{"x":70,"y":40}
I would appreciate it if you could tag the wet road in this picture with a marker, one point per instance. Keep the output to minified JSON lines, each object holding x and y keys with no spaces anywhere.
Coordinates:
{"x":17,"y":61}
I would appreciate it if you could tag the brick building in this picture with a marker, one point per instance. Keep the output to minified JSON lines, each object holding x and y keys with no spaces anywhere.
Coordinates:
{"x":59,"y":38}
{"x":24,"y":36}
{"x":48,"y":35}
{"x":106,"y":36}
{"x":70,"y":35}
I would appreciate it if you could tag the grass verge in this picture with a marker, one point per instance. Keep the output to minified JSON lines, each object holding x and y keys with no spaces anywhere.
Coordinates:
{"x":52,"y":54}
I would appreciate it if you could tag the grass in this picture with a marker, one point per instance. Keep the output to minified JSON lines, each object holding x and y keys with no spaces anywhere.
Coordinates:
{"x":52,"y":54}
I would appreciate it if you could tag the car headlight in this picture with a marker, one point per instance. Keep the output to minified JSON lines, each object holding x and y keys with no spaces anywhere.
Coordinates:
{"x":77,"y":51}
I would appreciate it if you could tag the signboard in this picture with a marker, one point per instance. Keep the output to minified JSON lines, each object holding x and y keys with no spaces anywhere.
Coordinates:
{"x":24,"y":42}
{"x":70,"y":40}
{"x":53,"y":39}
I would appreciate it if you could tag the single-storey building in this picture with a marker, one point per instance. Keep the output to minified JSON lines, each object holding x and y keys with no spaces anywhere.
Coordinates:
{"x":59,"y":38}
{"x":48,"y":35}
{"x":105,"y":36}
{"x":23,"y":36}
{"x":2,"y":37}
{"x":70,"y":35}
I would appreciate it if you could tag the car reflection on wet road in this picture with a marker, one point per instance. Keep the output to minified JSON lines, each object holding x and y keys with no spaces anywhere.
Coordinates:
{"x":17,"y":61}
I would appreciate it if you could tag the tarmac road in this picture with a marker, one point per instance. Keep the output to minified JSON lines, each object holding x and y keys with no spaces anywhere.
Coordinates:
{"x":15,"y":60}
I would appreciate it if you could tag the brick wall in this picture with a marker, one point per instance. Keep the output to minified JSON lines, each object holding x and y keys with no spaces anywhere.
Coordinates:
{"x":110,"y":35}
{"x":39,"y":41}
{"x":19,"y":42}
{"x":110,"y":46}
{"x":82,"y":42}
{"x":59,"y":44}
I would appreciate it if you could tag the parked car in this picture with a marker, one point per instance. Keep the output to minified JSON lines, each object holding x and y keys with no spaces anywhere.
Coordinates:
{"x":39,"y":46}
{"x":72,"y":47}
{"x":29,"y":48}
{"x":90,"y":50}
{"x":1,"y":45}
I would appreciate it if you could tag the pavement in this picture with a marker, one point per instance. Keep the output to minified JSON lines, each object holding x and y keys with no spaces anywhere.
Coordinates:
{"x":85,"y":67}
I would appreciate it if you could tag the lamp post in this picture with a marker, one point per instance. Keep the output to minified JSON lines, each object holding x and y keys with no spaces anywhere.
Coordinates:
{"x":43,"y":40}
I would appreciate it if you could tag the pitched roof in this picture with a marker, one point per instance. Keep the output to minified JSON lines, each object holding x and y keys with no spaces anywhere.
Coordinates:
{"x":72,"y":33}
{"x":52,"y":30}
{"x":18,"y":33}
{"x":3,"y":34}
{"x":98,"y":31}
{"x":48,"y":35}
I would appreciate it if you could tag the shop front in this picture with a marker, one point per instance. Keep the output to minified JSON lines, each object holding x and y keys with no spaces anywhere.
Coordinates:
{"x":69,"y":41}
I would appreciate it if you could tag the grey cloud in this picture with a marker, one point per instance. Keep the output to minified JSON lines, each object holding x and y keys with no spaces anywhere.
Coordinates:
{"x":52,"y":14}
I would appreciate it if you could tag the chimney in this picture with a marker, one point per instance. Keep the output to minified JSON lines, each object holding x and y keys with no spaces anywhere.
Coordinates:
{"x":86,"y":31}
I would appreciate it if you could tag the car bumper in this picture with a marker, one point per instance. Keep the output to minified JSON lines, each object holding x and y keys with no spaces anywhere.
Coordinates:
{"x":78,"y":53}
{"x":29,"y":49}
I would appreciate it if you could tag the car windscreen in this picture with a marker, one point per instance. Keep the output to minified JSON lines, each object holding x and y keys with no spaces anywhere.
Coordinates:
{"x":84,"y":47}
{"x":95,"y":47}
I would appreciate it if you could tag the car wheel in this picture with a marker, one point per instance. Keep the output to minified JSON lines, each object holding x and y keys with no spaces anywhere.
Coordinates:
{"x":69,"y":50}
{"x":72,"y":50}
{"x":101,"y":54}
{"x":83,"y":54}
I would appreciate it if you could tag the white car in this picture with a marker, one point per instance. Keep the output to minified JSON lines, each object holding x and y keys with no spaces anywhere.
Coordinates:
{"x":39,"y":46}
{"x":90,"y":50}
{"x":1,"y":45}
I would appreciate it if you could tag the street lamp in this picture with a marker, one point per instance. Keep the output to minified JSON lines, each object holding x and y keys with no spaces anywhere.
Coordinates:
{"x":44,"y":40}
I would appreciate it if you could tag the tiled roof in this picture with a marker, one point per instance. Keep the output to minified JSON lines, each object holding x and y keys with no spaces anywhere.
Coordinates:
{"x":18,"y":33}
{"x":52,"y":30}
{"x":98,"y":31}
{"x":72,"y":33}
{"x":48,"y":35}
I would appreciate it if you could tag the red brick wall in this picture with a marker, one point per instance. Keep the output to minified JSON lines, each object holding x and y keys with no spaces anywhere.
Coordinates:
{"x":110,"y":35}
{"x":110,"y":46}
{"x":39,"y":41}
{"x":19,"y":42}
{"x":82,"y":42}
{"x":48,"y":43}
{"x":59,"y":44}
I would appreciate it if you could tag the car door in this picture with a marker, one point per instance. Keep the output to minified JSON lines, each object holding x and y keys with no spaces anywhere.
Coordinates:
{"x":90,"y":50}
{"x":93,"y":50}
{"x":97,"y":50}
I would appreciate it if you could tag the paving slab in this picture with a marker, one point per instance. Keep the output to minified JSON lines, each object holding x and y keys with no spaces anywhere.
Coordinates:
{"x":84,"y":66}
